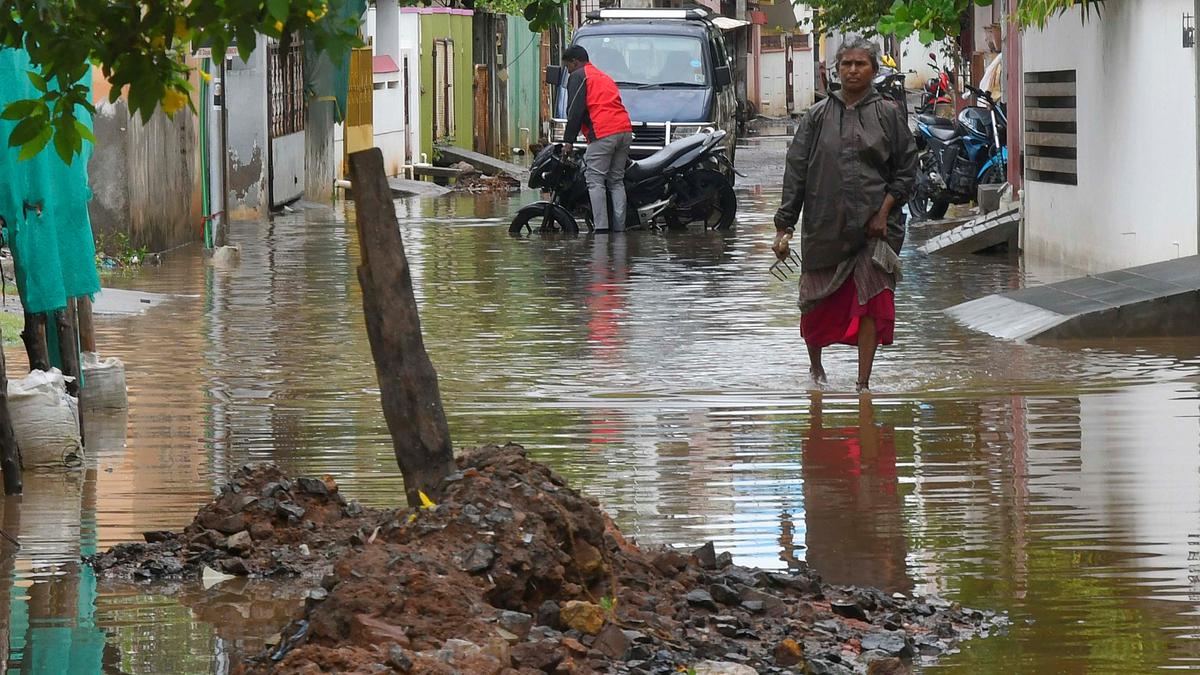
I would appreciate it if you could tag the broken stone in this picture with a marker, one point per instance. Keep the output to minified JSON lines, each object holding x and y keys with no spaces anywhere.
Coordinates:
{"x":849,"y":610}
{"x":701,"y":598}
{"x":240,"y":543}
{"x":788,"y":653}
{"x":261,"y":531}
{"x":670,"y":562}
{"x":289,"y":511}
{"x":540,"y":656}
{"x":235,"y":566}
{"x":724,"y":560}
{"x":353,"y":509}
{"x":722,"y":668}
{"x":156,"y":536}
{"x":893,"y":644}
{"x":517,"y":623}
{"x":771,"y":605}
{"x":399,"y":660}
{"x":725,"y":595}
{"x":706,"y":556}
{"x":612,"y":642}
{"x":476,"y":559}
{"x":312,"y":486}
{"x":753,"y":606}
{"x":548,"y":615}
{"x":582,"y":616}
{"x":740,"y":575}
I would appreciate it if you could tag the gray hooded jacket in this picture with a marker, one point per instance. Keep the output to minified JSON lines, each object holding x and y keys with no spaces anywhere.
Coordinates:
{"x":841,"y":164}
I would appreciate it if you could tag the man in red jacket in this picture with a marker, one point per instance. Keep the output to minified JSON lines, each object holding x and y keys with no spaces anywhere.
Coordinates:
{"x":594,"y":107}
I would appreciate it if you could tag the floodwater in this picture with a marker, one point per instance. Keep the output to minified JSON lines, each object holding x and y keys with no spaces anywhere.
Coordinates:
{"x":663,"y":374}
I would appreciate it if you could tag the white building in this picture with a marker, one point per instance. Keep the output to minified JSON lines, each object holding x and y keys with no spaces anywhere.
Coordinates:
{"x":395,"y":43}
{"x":1110,"y":146}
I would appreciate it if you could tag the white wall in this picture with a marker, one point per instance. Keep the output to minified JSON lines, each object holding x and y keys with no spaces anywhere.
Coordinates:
{"x":410,"y":46}
{"x":1136,"y":99}
{"x":383,"y":25}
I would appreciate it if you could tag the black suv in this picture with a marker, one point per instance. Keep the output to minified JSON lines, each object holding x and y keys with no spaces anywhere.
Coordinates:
{"x":673,"y":69}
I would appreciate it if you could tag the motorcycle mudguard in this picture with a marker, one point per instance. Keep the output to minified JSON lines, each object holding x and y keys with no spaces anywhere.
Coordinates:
{"x":685,"y":159}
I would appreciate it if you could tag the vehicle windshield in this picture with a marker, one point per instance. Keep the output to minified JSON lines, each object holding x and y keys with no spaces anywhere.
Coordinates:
{"x":648,"y":60}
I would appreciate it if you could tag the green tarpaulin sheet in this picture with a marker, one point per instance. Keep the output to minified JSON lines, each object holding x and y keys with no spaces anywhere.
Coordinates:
{"x":44,"y":203}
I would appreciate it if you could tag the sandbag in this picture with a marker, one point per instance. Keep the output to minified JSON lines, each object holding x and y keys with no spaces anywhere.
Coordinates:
{"x":45,"y":419}
{"x":103,"y":383}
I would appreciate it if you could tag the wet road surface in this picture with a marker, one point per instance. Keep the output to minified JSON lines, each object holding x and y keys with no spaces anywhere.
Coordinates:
{"x":663,"y":374}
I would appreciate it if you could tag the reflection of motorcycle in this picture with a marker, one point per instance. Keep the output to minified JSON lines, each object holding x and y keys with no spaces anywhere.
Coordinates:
{"x":687,"y":181}
{"x":961,"y":156}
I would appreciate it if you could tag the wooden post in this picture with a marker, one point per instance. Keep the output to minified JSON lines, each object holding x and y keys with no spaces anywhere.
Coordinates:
{"x":412,"y":404}
{"x":34,"y":337}
{"x":87,"y":330}
{"x":68,"y":345}
{"x":10,"y":454}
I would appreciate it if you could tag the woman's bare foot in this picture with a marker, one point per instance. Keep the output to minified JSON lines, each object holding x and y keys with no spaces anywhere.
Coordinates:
{"x":863,"y":387}
{"x":818,"y":375}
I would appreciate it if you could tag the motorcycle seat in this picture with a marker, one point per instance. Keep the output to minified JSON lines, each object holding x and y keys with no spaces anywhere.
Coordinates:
{"x":935,"y":121}
{"x":658,"y":161}
{"x":943,"y":133}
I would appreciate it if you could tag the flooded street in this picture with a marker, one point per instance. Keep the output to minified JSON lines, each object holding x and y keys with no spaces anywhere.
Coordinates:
{"x":665,"y":375}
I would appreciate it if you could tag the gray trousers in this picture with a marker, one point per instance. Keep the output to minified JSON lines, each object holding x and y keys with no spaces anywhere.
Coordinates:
{"x":604,"y":169}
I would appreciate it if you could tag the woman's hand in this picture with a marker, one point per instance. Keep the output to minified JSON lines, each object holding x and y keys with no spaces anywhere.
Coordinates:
{"x":782,"y":246}
{"x":877,"y":226}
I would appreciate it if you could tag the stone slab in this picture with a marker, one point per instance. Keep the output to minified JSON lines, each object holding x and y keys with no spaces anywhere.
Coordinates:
{"x":402,"y":187}
{"x":489,"y":166}
{"x":108,"y":302}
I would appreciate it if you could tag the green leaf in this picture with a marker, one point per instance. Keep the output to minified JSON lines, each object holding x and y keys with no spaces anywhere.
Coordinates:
{"x":27,"y":130}
{"x":278,"y":9}
{"x":34,"y":146}
{"x":64,"y":143}
{"x":19,"y":110}
{"x":84,"y":132}
{"x":38,"y":81}
{"x":926,"y":36}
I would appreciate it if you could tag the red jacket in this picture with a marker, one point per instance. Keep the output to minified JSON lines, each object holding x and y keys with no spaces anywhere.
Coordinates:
{"x":594,"y":105}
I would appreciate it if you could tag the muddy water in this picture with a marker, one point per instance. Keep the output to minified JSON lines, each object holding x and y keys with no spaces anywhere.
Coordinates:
{"x":663,"y":374}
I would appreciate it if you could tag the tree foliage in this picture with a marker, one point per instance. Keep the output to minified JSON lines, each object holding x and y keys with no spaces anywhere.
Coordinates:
{"x":930,"y":20}
{"x":140,"y":47}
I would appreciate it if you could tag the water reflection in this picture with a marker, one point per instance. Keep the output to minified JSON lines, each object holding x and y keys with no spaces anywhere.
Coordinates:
{"x":854,"y":527}
{"x":663,"y":374}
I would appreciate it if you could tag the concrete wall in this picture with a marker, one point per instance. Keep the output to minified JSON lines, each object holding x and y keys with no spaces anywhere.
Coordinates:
{"x":410,"y":46}
{"x":246,"y":96}
{"x":145,"y":178}
{"x":455,"y":25}
{"x":524,"y":83}
{"x":383,"y":26}
{"x":321,"y":158}
{"x":1135,"y":201}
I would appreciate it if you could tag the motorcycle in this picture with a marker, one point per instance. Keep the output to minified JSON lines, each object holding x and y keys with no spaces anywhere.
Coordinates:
{"x":960,"y":156}
{"x":936,"y":89}
{"x":689,"y":180}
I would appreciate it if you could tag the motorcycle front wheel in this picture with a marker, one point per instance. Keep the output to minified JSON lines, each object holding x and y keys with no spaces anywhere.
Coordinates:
{"x":924,"y":207}
{"x":705,"y":196}
{"x":543,"y":218}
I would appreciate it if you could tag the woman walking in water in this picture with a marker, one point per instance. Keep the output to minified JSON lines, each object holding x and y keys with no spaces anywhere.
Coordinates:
{"x":850,"y":168}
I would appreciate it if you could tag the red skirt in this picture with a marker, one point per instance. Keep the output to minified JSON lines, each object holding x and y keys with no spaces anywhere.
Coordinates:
{"x":835,"y":319}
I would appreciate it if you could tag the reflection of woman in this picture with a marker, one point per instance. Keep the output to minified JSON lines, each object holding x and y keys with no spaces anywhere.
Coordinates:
{"x":853,"y":521}
{"x":851,"y":167}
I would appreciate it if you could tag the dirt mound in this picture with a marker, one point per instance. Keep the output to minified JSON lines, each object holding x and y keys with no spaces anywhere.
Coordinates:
{"x":263,"y":524}
{"x":515,"y":572}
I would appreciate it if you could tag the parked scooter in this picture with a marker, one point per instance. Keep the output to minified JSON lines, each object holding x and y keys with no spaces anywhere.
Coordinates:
{"x":936,"y":89}
{"x":960,"y":156}
{"x":689,"y":180}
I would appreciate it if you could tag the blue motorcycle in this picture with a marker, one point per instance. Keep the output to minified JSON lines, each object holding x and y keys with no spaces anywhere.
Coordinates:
{"x":957,"y":156}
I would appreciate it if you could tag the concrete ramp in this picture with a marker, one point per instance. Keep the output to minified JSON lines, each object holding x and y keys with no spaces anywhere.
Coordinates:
{"x":1157,"y":300}
{"x":402,"y":187}
{"x":488,"y":166}
{"x":977,"y":234}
